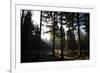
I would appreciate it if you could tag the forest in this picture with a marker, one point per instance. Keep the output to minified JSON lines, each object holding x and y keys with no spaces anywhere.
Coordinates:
{"x":54,"y":36}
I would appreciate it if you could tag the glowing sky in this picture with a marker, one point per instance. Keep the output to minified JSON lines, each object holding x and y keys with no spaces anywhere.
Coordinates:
{"x":47,"y":36}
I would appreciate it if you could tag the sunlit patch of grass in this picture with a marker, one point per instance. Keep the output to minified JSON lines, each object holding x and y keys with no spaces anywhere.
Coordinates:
{"x":50,"y":53}
{"x":57,"y":52}
{"x":70,"y":55}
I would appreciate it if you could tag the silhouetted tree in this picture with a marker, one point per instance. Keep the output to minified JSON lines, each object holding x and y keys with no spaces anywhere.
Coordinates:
{"x":78,"y":23}
{"x":84,"y":36}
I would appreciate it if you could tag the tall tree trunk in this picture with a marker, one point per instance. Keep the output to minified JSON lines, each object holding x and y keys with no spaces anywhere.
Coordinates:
{"x":88,"y":35}
{"x":72,"y":32}
{"x":22,"y":37}
{"x":87,"y":22}
{"x":61,"y":39}
{"x":53,"y":51}
{"x":39,"y":38}
{"x":79,"y":53}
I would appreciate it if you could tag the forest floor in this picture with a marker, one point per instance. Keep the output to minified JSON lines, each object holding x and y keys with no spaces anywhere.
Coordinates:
{"x":45,"y":55}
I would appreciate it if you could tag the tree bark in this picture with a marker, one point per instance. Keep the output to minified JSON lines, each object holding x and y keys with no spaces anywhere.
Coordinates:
{"x":61,"y":40}
{"x":53,"y":51}
{"x":79,"y":53}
